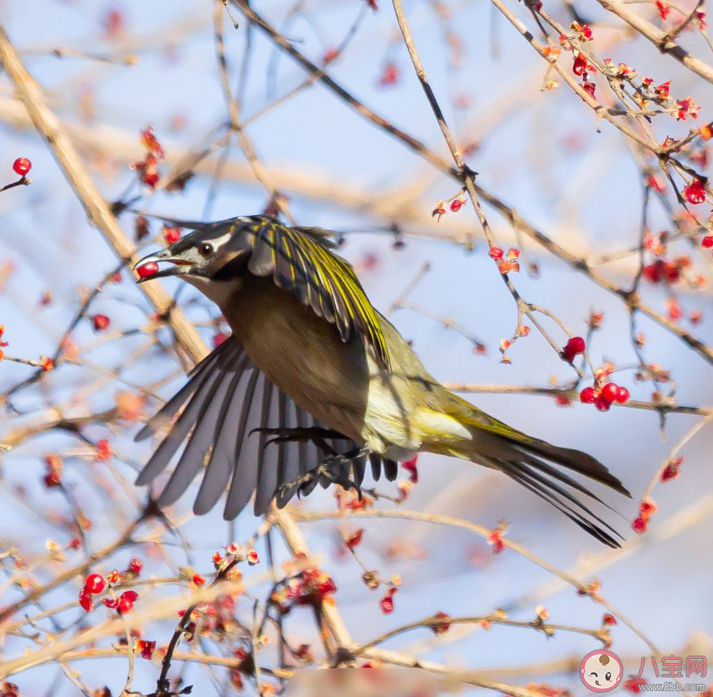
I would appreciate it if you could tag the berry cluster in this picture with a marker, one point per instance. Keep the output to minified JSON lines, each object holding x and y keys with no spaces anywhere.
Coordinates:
{"x":95,"y":584}
{"x":506,"y":265}
{"x":606,"y":396}
{"x":147,"y":169}
{"x":311,"y":587}
{"x":124,"y":603}
{"x":646,"y":509}
{"x":455,"y":204}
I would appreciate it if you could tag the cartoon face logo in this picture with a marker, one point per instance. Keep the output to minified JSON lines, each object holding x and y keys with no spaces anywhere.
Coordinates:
{"x":601,"y":670}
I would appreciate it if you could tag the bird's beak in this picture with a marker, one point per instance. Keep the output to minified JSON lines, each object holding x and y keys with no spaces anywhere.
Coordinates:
{"x":179,"y":266}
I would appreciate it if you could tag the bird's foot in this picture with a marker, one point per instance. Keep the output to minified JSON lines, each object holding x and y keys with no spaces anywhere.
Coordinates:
{"x":334,"y":470}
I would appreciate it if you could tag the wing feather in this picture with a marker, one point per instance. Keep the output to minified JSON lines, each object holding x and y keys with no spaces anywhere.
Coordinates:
{"x":225,"y":401}
{"x":302,"y":262}
{"x":220,"y":465}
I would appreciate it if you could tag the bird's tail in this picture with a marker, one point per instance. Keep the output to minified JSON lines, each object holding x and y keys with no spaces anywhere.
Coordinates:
{"x":535,"y":464}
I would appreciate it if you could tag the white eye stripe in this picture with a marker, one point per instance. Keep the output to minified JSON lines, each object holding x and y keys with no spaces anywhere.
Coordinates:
{"x":220,"y":241}
{"x":214,"y":243}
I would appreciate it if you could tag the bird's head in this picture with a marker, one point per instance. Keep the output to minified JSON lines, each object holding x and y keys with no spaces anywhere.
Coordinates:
{"x":202,"y":253}
{"x":212,"y":257}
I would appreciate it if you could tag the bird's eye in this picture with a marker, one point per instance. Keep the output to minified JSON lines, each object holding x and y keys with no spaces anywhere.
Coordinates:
{"x":205,"y":250}
{"x":608,"y":676}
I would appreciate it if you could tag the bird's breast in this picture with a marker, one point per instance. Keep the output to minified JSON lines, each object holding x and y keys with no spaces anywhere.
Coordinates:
{"x":302,"y":354}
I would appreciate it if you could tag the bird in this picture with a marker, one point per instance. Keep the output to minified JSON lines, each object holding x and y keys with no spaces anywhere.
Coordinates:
{"x":314,"y":385}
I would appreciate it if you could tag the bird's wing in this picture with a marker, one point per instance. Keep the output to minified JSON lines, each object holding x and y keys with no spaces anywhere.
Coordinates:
{"x":224,"y":408}
{"x":301,"y":261}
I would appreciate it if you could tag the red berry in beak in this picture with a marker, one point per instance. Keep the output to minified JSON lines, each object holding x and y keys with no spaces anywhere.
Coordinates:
{"x":148,"y":269}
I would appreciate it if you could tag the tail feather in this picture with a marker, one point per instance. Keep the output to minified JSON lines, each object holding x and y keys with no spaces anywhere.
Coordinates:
{"x":532,"y":463}
{"x":562,"y":477}
{"x":555,"y":488}
{"x":574,"y":460}
{"x":558,"y":497}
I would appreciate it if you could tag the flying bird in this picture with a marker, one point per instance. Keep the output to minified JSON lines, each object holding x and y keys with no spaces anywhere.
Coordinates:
{"x":314,"y":384}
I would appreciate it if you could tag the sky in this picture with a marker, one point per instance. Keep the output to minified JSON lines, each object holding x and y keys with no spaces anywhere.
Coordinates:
{"x":538,"y":150}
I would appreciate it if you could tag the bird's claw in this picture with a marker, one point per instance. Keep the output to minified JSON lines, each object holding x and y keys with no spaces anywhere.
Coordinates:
{"x":306,"y":434}
{"x":334,"y":470}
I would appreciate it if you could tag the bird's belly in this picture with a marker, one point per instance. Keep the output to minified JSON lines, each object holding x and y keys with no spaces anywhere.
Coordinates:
{"x":391,"y":425}
{"x":305,"y":358}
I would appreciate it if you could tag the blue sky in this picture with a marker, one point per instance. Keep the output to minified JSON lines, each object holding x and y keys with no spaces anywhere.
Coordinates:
{"x":545,"y":158}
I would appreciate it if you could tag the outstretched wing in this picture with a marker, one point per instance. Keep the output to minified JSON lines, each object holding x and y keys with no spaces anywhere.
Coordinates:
{"x":225,"y":408}
{"x":301,"y":261}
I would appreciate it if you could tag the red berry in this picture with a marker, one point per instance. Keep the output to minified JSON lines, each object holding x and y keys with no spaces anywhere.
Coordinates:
{"x":695,"y":192}
{"x":22,"y":166}
{"x":411,"y":466}
{"x":329,"y":56}
{"x":670,"y":473}
{"x":652,"y":273}
{"x":355,"y":539}
{"x":135,"y":566}
{"x":602,"y":404}
{"x":126,"y":601}
{"x":575,"y":345}
{"x":588,"y":395}
{"x":456,"y":205}
{"x":151,"y":179}
{"x":94,"y":584}
{"x":101,"y":322}
{"x":622,"y":395}
{"x":610,"y":392}
{"x":609,"y":620}
{"x":707,"y":241}
{"x":171,"y":234}
{"x":387,"y":602}
{"x":390,"y":75}
{"x":443,"y":626}
{"x":85,"y":600}
{"x":496,"y":253}
{"x":52,"y":480}
{"x":147,"y":269}
{"x":639,"y":526}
